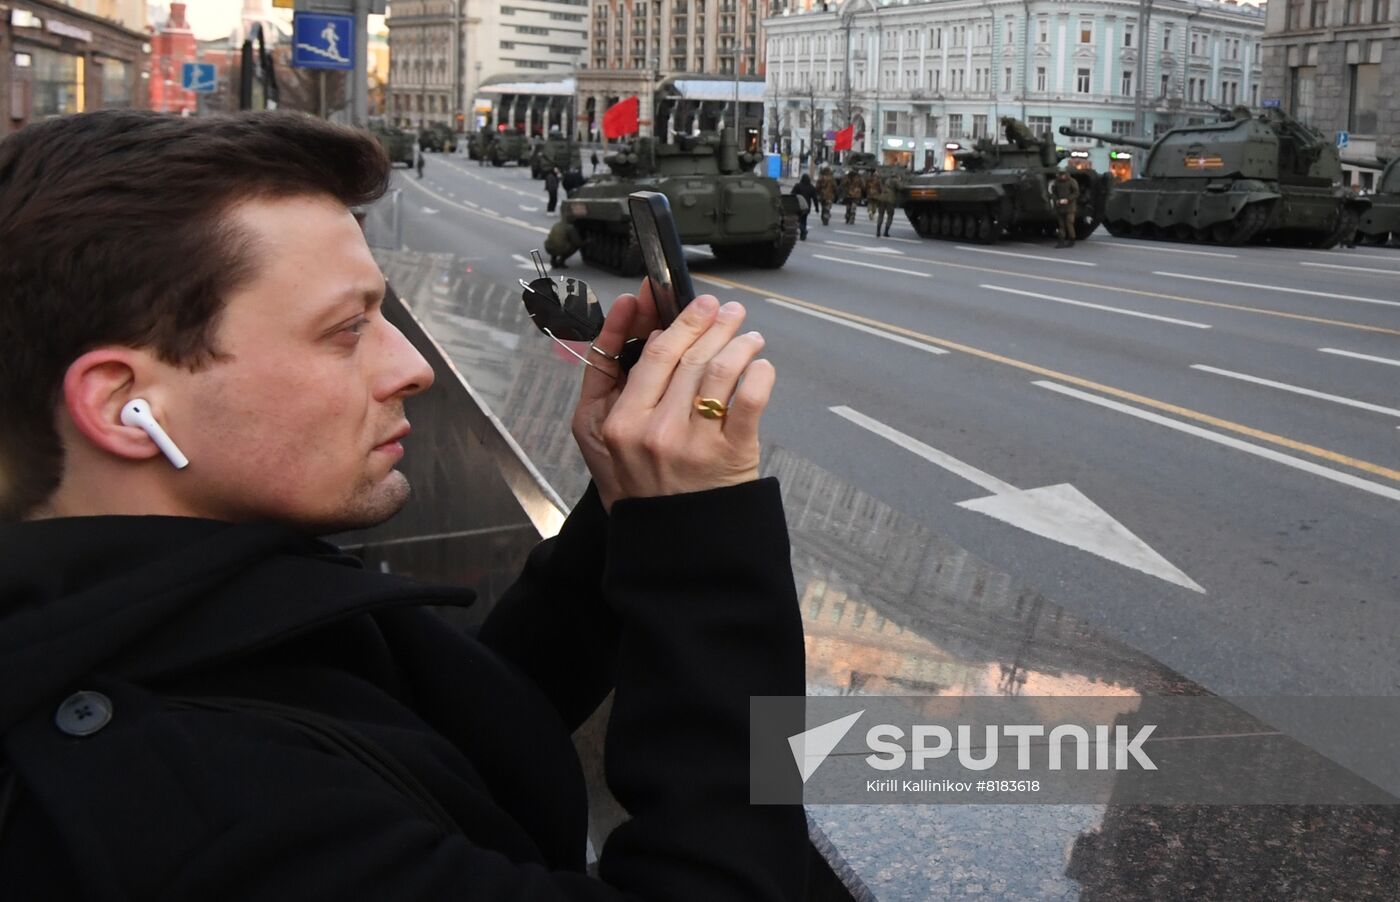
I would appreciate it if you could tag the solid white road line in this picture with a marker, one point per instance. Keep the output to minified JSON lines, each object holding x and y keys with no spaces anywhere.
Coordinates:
{"x":1306,"y":466}
{"x":1297,"y":390}
{"x":985,"y":481}
{"x":859,"y":327}
{"x":1367,"y":357}
{"x":1316,"y":294}
{"x":866,"y":247}
{"x":987,"y":250}
{"x":1155,"y":247}
{"x":1048,"y":297}
{"x":907,"y":272}
{"x":1387,"y":272}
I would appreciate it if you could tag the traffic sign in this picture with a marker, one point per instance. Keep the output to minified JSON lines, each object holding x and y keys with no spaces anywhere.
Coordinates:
{"x":1343,"y":139}
{"x":323,"y":41}
{"x":199,"y":77}
{"x":1270,"y":102}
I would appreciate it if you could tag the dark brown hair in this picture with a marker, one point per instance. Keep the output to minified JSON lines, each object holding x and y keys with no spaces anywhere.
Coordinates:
{"x":113,"y":231}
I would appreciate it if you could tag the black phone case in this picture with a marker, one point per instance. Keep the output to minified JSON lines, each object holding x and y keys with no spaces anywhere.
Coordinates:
{"x":655,"y":206}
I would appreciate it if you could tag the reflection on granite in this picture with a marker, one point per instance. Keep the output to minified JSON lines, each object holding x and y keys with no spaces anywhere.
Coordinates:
{"x":890,"y":608}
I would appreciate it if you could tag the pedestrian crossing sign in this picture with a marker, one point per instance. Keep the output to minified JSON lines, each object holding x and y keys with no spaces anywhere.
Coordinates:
{"x":201,"y":78}
{"x":322,"y":41}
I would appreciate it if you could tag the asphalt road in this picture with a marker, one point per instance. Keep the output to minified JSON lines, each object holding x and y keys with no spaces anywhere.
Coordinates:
{"x":1215,"y":432}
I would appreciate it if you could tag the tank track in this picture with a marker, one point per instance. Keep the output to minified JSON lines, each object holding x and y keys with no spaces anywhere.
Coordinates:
{"x":614,"y":252}
{"x":1248,"y":224}
{"x":930,"y":222}
{"x":1347,"y":221}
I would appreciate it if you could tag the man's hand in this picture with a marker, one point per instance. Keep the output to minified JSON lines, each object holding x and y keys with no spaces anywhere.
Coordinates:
{"x":641,"y":435}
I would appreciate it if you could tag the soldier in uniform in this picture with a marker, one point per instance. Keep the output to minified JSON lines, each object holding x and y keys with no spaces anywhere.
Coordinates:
{"x":853,"y":185}
{"x":1064,"y":192}
{"x":561,"y":242}
{"x":885,"y":204}
{"x":1017,"y":132}
{"x":826,"y":193}
{"x":874,"y":187}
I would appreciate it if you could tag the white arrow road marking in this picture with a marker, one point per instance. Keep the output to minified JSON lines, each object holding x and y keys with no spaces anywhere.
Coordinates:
{"x":523,"y":261}
{"x":1050,"y":297}
{"x":811,"y":748}
{"x":1366,"y":357}
{"x":864,"y":235}
{"x":1287,"y":460}
{"x":907,"y":272}
{"x":1316,"y":294}
{"x":1298,"y":390}
{"x":529,"y":209}
{"x":429,"y":211}
{"x":1060,"y":513}
{"x":859,"y":327}
{"x":867,"y":248}
{"x":987,"y":250}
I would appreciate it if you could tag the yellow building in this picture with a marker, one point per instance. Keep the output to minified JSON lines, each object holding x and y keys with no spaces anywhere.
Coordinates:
{"x":127,"y":13}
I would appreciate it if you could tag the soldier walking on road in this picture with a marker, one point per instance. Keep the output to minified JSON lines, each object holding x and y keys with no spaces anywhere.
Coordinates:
{"x":808,"y":192}
{"x":1064,"y":191}
{"x":551,"y":187}
{"x":594,"y":161}
{"x":852,"y":185}
{"x":885,"y":202}
{"x":873,"y":187}
{"x":826,"y":193}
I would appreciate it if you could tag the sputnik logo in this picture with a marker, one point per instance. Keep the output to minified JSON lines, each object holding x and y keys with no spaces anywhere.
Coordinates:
{"x":811,"y":747}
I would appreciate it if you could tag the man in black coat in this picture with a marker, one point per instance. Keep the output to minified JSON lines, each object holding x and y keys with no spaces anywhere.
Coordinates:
{"x":572,"y":181}
{"x":551,"y":187}
{"x":200,"y":699}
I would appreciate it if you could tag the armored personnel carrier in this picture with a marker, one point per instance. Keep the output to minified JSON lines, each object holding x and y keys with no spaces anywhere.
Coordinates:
{"x":1380,"y":224}
{"x":715,"y":196}
{"x":999,"y":189}
{"x":556,"y":151}
{"x":397,"y":143}
{"x":1266,"y":178}
{"x":510,"y":146}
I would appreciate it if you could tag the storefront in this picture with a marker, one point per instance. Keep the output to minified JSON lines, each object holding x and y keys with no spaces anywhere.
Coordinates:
{"x":58,"y":60}
{"x":1120,"y":165}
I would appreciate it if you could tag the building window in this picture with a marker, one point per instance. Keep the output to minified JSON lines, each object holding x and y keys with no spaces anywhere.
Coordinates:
{"x":1319,"y":13}
{"x":1040,"y":78}
{"x":1006,"y":81}
{"x":1125,"y":87}
{"x":1167,"y":35}
{"x":116,"y":87}
{"x":979,"y":125}
{"x":1301,"y":94}
{"x":1085,"y":125}
{"x":1128,"y":28}
{"x":1365,"y":95}
{"x":891,"y":123}
{"x":1086,"y":31}
{"x":1121,"y":126}
{"x":1042,"y":31}
{"x":58,"y":78}
{"x":1081,"y":81}
{"x":1040,"y":125}
{"x":955,"y":126}
{"x":1166,"y":84}
{"x":1380,"y":11}
{"x":1010,"y":30}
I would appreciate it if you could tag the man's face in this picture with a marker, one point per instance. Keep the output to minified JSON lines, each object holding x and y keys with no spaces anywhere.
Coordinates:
{"x":298,"y":422}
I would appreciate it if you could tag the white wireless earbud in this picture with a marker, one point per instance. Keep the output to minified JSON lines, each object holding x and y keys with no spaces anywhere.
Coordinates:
{"x":138,"y":413}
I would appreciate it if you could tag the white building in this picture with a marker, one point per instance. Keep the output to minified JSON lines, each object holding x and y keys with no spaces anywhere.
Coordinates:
{"x":916,"y":75}
{"x":442,"y":51}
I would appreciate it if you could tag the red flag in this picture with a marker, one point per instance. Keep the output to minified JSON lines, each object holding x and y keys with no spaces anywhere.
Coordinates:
{"x":620,"y":119}
{"x":845,"y":138}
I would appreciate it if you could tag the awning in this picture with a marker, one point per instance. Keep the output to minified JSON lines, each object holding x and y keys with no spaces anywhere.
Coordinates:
{"x":563,"y":88}
{"x":714,"y":89}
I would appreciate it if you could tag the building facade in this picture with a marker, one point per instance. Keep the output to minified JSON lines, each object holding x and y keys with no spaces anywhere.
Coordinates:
{"x":918,"y":76}
{"x":442,"y":51}
{"x":172,"y":45}
{"x":60,"y":60}
{"x":634,"y":45}
{"x":1336,"y":65}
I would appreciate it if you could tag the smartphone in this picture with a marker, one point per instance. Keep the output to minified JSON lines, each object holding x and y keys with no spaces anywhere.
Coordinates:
{"x":662,"y":251}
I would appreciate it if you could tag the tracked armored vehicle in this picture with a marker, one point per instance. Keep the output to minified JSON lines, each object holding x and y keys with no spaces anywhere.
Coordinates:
{"x":998,"y":190}
{"x":1380,"y":224}
{"x":1266,"y":178}
{"x":715,"y":196}
{"x":556,"y":151}
{"x":509,"y":146}
{"x":397,"y":143}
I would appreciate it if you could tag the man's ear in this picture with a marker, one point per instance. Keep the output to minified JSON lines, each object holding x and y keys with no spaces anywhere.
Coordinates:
{"x":96,"y":387}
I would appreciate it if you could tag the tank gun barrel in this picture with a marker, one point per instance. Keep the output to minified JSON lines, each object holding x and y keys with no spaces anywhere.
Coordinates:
{"x":1364,"y":163}
{"x":1128,"y":140}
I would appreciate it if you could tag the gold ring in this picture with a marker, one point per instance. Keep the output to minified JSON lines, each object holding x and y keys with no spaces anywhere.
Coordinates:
{"x":711,"y":408}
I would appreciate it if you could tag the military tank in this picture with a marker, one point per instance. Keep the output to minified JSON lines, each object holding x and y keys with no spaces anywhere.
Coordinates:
{"x":556,"y":151}
{"x":397,"y":143}
{"x":1380,"y":224}
{"x":716,"y":198}
{"x":1266,"y":178}
{"x":865,"y":163}
{"x":999,"y":189}
{"x":509,"y":146}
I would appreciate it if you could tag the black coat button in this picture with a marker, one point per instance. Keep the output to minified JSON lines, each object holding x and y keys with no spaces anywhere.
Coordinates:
{"x":83,"y":713}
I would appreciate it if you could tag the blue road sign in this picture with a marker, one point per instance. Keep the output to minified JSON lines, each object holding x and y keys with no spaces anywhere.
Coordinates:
{"x":1343,"y":139}
{"x":200,"y":77}
{"x":1270,"y":102}
{"x":323,"y":41}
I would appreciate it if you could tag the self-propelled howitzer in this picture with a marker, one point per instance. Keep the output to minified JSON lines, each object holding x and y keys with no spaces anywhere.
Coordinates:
{"x":1381,"y":223}
{"x":1261,"y":178}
